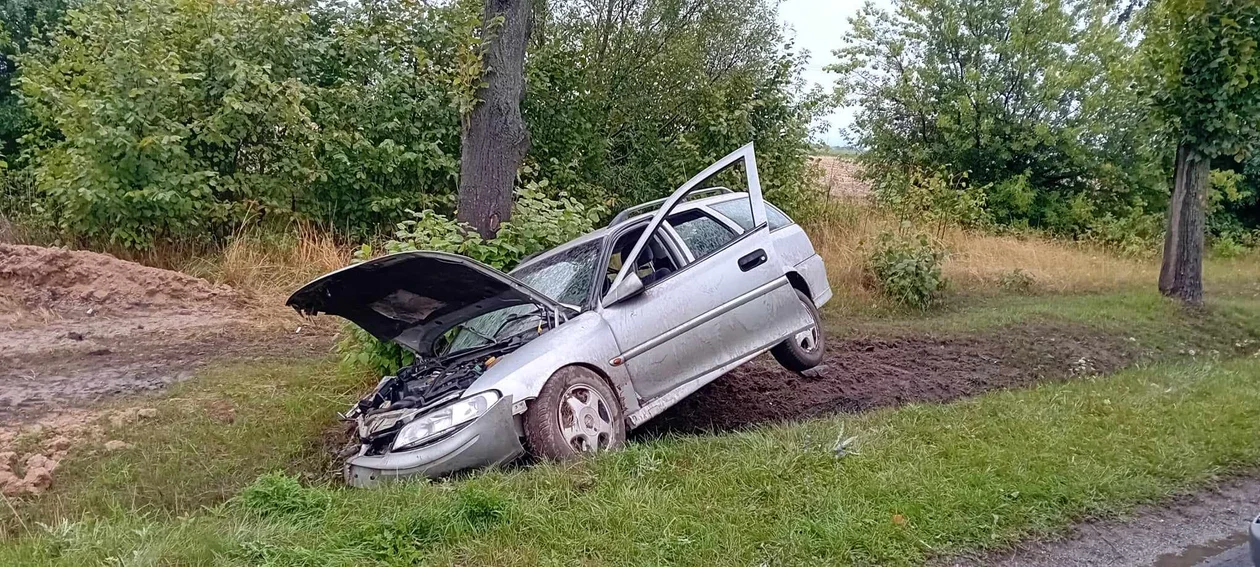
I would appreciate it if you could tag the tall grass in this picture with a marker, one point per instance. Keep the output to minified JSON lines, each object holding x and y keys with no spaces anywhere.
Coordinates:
{"x":269,"y":266}
{"x":979,"y":263}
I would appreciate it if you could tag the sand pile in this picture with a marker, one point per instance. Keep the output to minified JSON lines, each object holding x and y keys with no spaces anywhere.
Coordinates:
{"x":75,"y":281}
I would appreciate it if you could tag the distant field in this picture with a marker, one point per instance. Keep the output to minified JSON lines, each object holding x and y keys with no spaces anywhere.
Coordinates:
{"x":840,"y":177}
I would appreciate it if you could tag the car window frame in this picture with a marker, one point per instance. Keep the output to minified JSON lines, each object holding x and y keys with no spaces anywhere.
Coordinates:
{"x":672,"y":242}
{"x":736,"y":231}
{"x":746,"y":155}
{"x":739,"y":227}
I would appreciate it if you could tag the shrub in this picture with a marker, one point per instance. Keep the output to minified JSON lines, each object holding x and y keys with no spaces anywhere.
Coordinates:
{"x":939,"y":198}
{"x":1226,"y":246}
{"x":1135,"y":234}
{"x":907,"y":270}
{"x":1016,"y":280}
{"x":538,"y":223}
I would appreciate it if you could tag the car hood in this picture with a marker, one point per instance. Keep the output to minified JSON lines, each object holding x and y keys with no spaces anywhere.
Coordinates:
{"x":411,"y":298}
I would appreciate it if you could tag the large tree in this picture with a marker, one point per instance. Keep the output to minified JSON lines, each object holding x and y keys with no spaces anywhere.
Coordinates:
{"x":1203,"y":73}
{"x":494,"y":138}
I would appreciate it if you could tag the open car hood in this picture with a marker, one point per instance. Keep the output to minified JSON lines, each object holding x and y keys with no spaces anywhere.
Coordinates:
{"x":411,"y":298}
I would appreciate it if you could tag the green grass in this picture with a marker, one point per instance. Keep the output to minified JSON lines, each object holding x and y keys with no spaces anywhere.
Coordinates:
{"x":920,"y":481}
{"x":1154,"y":320}
{"x":966,"y":476}
{"x":211,"y":436}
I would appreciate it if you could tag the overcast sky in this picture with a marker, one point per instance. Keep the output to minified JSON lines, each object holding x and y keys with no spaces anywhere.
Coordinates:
{"x":820,"y":26}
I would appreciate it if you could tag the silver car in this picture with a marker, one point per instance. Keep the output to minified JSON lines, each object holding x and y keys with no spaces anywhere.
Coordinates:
{"x":578,"y":345}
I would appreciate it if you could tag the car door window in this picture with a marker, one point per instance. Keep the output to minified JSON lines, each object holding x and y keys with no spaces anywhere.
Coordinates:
{"x":654,"y":262}
{"x":739,"y":211}
{"x":700,"y":232}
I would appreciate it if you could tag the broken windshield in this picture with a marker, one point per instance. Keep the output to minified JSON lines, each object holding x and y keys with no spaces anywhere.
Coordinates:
{"x":564,"y":277}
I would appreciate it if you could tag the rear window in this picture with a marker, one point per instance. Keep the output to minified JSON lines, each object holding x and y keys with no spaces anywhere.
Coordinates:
{"x":740,"y":211}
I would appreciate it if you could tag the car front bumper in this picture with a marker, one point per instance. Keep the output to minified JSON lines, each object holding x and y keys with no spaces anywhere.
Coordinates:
{"x":488,"y":440}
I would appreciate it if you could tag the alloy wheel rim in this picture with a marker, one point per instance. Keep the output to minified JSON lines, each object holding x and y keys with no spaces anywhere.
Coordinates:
{"x":585,"y":419}
{"x":808,"y":339}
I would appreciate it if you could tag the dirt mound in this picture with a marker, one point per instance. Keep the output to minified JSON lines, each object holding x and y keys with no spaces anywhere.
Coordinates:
{"x":74,"y":281}
{"x":861,"y":374}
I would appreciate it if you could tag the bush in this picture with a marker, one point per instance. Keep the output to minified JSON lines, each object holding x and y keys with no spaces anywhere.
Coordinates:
{"x":1135,"y":234}
{"x":939,"y":198}
{"x":907,"y":270}
{"x":1226,"y":246}
{"x":1016,"y":280}
{"x":538,"y":223}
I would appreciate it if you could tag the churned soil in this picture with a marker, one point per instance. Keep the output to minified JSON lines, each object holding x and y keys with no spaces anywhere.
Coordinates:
{"x":870,"y":372}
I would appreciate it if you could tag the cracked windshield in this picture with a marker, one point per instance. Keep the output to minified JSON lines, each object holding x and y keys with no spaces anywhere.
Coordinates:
{"x":564,"y":277}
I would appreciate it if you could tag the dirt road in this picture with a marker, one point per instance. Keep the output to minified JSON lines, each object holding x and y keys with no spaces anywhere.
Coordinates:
{"x":1204,"y":529}
{"x":79,"y":327}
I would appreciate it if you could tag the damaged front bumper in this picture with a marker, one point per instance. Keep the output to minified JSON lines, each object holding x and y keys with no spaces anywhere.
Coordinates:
{"x":488,"y":440}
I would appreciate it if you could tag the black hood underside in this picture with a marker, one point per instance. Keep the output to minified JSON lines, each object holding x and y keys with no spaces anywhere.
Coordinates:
{"x":413,"y":297}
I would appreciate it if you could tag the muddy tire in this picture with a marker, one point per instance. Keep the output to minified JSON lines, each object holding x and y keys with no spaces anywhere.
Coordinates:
{"x":805,"y":349}
{"x":576,"y":413}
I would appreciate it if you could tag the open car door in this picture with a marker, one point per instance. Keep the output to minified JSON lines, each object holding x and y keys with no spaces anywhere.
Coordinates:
{"x":728,"y":302}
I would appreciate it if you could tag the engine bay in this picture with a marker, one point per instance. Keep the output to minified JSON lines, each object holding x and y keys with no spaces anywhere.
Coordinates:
{"x":424,"y":385}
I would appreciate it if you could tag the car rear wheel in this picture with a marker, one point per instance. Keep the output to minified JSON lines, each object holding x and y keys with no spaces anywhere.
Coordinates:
{"x":804,"y":350}
{"x":576,"y":413}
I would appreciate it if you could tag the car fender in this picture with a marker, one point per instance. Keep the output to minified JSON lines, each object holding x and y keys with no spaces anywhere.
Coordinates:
{"x":584,"y":340}
{"x":797,"y":256}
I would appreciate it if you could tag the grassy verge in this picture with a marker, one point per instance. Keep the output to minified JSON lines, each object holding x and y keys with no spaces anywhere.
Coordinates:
{"x":1144,"y":315}
{"x":211,"y":436}
{"x":918,"y":481}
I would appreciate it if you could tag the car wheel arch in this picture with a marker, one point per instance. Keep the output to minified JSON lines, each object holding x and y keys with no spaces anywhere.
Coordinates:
{"x":798,"y":282}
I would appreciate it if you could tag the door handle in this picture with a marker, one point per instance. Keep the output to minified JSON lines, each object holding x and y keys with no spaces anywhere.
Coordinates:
{"x":752,"y":260}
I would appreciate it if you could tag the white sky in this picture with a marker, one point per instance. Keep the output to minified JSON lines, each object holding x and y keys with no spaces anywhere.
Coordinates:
{"x":820,"y":26}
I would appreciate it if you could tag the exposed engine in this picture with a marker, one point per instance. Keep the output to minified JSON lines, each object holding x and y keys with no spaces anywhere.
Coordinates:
{"x":423,"y":386}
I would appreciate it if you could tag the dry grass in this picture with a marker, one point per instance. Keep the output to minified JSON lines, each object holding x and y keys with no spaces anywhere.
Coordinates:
{"x":977,"y":264}
{"x":269,"y":267}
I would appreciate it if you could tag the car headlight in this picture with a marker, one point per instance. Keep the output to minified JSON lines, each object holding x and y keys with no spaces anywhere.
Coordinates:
{"x":443,"y":419}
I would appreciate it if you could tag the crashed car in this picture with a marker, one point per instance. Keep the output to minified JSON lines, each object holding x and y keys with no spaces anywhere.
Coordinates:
{"x":579,"y":344}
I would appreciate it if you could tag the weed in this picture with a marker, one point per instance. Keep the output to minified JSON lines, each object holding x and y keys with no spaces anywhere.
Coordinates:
{"x":1016,"y":281}
{"x":278,"y":494}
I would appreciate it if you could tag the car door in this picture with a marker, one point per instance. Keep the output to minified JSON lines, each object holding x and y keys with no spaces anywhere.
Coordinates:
{"x":731,"y":302}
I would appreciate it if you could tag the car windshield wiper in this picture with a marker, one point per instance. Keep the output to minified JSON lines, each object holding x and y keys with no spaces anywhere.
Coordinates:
{"x":513,"y":319}
{"x":479,"y":334}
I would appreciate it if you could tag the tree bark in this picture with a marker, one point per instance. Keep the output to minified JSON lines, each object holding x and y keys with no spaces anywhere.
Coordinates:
{"x":1181,"y":274}
{"x":493,"y":136}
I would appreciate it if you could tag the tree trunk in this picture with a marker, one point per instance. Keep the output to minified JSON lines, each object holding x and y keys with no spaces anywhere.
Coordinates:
{"x":1181,"y":275}
{"x":494,"y":138}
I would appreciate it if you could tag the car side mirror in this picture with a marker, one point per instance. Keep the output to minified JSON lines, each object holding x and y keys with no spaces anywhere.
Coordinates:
{"x":629,"y":287}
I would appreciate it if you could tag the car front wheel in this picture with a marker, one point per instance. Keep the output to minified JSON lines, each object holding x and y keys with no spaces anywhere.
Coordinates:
{"x":804,"y":350}
{"x":576,"y":413}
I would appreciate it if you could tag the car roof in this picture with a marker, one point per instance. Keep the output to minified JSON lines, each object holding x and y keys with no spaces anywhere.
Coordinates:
{"x":600,"y":233}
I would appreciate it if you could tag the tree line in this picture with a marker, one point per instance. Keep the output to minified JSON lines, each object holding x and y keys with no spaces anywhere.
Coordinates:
{"x":1069,"y":116}
{"x":126,"y":122}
